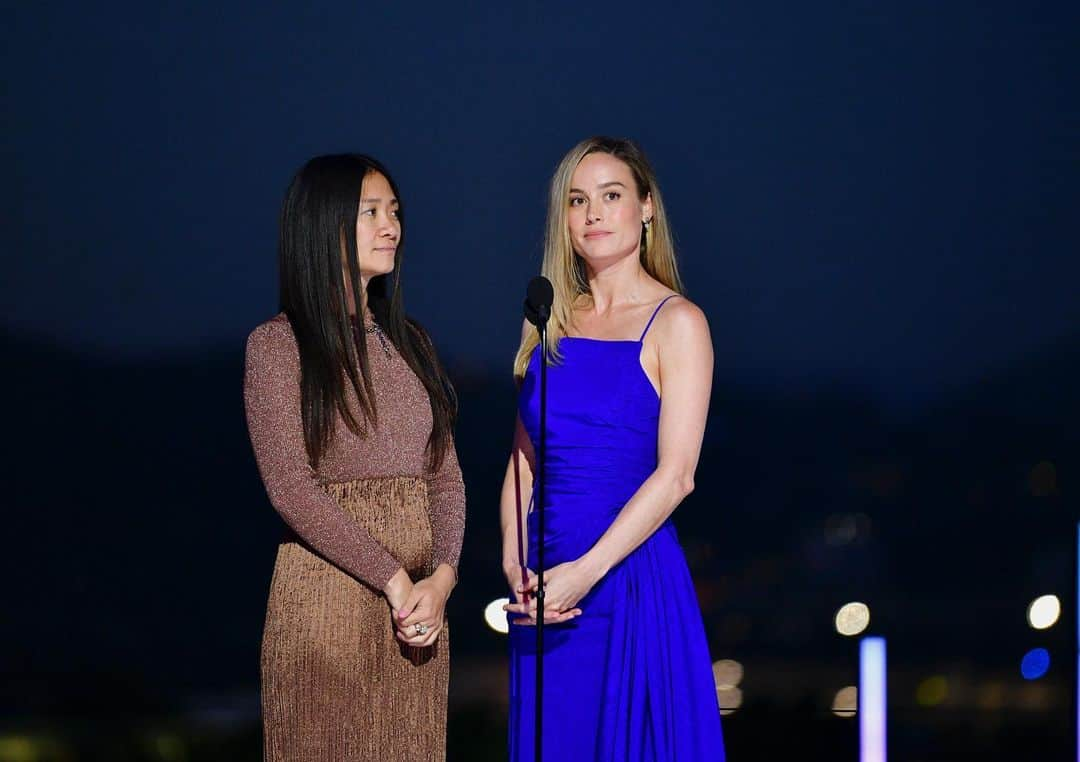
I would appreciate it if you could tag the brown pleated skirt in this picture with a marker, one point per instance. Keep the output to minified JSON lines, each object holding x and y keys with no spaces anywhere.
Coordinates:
{"x":336,"y":683}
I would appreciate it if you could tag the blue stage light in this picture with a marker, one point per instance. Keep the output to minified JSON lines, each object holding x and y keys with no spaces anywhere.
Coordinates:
{"x":1035,"y":663}
{"x":871,"y":698}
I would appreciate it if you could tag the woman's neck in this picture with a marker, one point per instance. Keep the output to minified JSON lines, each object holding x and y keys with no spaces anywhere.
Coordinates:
{"x":350,"y":302}
{"x":623,"y":282}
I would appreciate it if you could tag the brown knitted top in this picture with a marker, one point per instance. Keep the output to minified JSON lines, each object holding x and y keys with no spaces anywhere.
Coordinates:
{"x":395,"y":448}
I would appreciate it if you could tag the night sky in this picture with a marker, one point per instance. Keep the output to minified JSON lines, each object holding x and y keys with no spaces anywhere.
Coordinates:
{"x":878,"y":195}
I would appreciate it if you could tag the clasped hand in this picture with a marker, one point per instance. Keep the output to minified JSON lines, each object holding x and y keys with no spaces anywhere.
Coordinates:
{"x":422,"y":603}
{"x":564,"y":587}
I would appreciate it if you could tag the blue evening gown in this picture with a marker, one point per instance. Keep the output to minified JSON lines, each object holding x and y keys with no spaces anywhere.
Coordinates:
{"x":631,"y":678}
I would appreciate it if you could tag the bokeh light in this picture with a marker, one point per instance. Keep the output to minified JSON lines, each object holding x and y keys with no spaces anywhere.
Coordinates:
{"x":1034,"y":697}
{"x":33,"y":748}
{"x":168,"y":747}
{"x":1043,"y":612}
{"x":1035,"y":663}
{"x":991,"y":696}
{"x":852,"y":618}
{"x":496,"y":617}
{"x":846,"y":701}
{"x":728,"y":699}
{"x":727,"y":673}
{"x":18,"y":749}
{"x":932,"y":691}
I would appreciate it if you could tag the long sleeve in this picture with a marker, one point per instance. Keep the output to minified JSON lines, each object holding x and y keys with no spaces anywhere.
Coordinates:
{"x":446,"y":496}
{"x":272,"y":404}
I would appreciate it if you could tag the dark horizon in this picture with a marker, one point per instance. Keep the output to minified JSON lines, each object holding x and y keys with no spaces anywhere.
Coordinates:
{"x":159,"y":549}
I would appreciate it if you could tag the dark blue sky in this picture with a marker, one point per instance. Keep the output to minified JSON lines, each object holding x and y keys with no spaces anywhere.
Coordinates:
{"x":879,"y":194}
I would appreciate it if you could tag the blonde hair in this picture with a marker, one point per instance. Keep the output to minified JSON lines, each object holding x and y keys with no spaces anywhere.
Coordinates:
{"x":562,"y":265}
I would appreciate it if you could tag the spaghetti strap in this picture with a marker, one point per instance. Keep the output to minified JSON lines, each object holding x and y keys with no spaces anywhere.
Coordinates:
{"x":654,"y":314}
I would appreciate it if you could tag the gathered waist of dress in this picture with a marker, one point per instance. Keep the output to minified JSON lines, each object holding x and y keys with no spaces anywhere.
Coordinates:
{"x":592,"y":487}
{"x":394,"y":481}
{"x":570,"y":541}
{"x":601,"y":459}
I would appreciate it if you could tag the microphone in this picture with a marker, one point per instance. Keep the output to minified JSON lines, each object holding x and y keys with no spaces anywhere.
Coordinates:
{"x":538,"y":298}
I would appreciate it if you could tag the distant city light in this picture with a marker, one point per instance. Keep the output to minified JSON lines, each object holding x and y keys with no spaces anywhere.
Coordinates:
{"x":1044,"y":612}
{"x":496,"y":617}
{"x":852,"y":618}
{"x":932,"y":691}
{"x":18,"y":748}
{"x":728,"y":699}
{"x":991,"y":695}
{"x":727,"y":673}
{"x":846,"y":701}
{"x":1035,"y":663}
{"x":1033,"y":696}
{"x":872,"y":686}
{"x":169,"y":747}
{"x":30,"y":748}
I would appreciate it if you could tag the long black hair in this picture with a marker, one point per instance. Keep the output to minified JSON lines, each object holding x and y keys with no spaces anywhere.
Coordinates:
{"x":318,"y":225}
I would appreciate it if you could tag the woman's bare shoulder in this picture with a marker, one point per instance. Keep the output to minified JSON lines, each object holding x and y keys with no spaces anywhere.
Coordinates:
{"x":681,"y":316}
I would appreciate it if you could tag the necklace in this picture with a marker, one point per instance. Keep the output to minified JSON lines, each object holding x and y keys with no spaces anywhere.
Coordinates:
{"x":373,"y":328}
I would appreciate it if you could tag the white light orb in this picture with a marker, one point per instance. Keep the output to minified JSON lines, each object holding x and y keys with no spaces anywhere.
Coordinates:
{"x":728,"y":699}
{"x":727,"y":673}
{"x":846,"y":701}
{"x":1044,"y":612}
{"x":852,"y":618}
{"x":496,"y":617}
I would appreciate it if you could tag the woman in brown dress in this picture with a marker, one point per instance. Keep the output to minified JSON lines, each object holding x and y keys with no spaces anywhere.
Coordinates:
{"x":351,"y":418}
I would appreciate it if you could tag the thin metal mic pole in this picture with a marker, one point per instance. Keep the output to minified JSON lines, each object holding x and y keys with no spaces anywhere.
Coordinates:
{"x":540,"y":460}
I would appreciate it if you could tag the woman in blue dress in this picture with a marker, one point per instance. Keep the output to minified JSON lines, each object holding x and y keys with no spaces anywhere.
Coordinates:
{"x":627,"y":673}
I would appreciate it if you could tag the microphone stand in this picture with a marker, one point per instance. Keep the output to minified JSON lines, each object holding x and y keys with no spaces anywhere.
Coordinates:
{"x":538,"y":491}
{"x":538,"y":300}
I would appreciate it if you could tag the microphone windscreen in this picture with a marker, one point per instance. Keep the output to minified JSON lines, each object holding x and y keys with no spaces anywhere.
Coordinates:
{"x":540,"y":293}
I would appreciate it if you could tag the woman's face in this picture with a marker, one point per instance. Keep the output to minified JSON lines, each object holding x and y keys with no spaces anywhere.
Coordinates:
{"x":605,"y":213}
{"x":378,"y":229}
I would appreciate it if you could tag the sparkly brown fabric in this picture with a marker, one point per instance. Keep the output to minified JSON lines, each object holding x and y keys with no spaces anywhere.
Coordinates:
{"x":336,"y":685}
{"x":395,"y":448}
